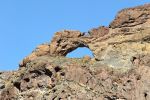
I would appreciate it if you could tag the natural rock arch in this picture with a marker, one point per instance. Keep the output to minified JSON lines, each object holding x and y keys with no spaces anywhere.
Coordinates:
{"x":65,"y":42}
{"x":110,"y":45}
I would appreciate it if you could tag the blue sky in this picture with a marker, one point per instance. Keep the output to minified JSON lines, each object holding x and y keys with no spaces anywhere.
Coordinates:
{"x":24,"y":24}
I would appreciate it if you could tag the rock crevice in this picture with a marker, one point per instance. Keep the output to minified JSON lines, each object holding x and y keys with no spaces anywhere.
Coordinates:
{"x":120,"y":69}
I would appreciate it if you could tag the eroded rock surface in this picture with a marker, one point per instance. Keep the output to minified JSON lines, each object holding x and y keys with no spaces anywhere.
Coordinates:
{"x":120,"y":69}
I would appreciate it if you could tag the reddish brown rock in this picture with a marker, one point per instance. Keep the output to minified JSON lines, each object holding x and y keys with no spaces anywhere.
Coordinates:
{"x":120,"y":69}
{"x":131,"y":17}
{"x":99,"y":32}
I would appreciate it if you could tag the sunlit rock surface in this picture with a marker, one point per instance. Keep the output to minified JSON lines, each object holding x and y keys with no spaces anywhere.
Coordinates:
{"x":120,"y":69}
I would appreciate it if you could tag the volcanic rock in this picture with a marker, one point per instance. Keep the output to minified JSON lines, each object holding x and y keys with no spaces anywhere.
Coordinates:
{"x":119,"y":70}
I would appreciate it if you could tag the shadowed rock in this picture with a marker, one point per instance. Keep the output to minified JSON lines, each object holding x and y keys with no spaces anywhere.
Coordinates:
{"x":120,"y":69}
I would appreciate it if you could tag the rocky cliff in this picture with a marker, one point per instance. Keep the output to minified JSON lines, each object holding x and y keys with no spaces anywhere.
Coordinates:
{"x":120,"y":69}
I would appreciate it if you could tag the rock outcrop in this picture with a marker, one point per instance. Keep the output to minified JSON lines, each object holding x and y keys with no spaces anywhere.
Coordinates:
{"x":120,"y":69}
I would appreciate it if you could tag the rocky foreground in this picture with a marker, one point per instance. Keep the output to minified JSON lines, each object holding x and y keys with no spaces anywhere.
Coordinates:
{"x":120,"y":69}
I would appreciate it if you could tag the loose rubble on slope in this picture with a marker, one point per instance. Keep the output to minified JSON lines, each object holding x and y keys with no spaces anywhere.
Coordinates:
{"x":120,"y":69}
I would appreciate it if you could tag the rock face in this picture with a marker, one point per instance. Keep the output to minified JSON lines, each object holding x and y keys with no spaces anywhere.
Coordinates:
{"x":120,"y":69}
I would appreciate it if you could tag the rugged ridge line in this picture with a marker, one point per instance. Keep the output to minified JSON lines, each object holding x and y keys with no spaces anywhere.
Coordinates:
{"x":120,"y":69}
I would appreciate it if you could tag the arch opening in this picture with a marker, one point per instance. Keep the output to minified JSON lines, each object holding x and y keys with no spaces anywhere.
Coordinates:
{"x":80,"y":52}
